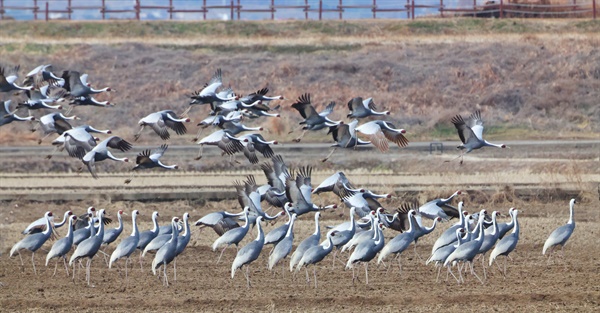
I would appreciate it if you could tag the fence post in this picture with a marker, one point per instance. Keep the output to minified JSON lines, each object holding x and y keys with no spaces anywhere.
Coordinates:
{"x":231,"y":13}
{"x":170,"y":9}
{"x":501,"y":8}
{"x":137,"y":9}
{"x":306,"y":6}
{"x":341,"y":10}
{"x":272,"y":10}
{"x":412,"y":9}
{"x":204,"y":9}
{"x":374,"y":9}
{"x":35,"y":8}
{"x":69,"y":10}
{"x":238,"y":9}
{"x":441,"y":8}
{"x":103,"y":9}
{"x":47,"y":11}
{"x":320,"y":9}
{"x":594,"y":8}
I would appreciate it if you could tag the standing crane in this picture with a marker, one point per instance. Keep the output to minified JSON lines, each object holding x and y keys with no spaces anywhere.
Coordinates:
{"x":560,"y":235}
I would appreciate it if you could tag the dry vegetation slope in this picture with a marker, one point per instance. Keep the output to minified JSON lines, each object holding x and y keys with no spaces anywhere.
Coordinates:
{"x":532,"y":79}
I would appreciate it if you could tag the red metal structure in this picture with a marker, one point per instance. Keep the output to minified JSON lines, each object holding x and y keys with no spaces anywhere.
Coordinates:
{"x":241,"y":9}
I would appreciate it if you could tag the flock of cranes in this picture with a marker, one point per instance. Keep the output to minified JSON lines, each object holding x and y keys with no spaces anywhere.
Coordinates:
{"x":45,"y":91}
{"x":290,"y":190}
{"x":362,"y":240}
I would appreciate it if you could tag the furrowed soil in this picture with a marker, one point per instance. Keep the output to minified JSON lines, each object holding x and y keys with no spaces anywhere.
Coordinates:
{"x":564,"y":284}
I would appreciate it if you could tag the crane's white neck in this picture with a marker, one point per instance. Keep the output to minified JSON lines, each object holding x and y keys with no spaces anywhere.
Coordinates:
{"x":174,"y":230}
{"x":247,"y":223}
{"x":261,"y":235}
{"x":411,"y":222}
{"x":516,"y":228}
{"x":155,"y":222}
{"x":487,"y":143}
{"x":290,"y":229}
{"x":494,"y":224}
{"x":120,"y":226}
{"x":186,"y":226}
{"x":428,"y":230}
{"x":48,"y":225}
{"x":450,"y":198}
{"x":352,"y":223}
{"x":480,"y":226}
{"x":317,"y":227}
{"x":65,"y":219}
{"x":571,"y":212}
{"x":379,"y":235}
{"x":461,"y":216}
{"x":100,"y":232}
{"x":329,"y":243}
{"x":134,"y":232}
{"x":70,"y":230}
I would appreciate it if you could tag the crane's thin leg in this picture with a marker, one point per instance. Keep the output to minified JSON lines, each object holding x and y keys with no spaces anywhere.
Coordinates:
{"x":198,"y":133}
{"x":219,"y":259}
{"x":32,"y":262}
{"x":417,"y":254}
{"x":186,"y":111}
{"x":141,"y":266}
{"x":387,"y":267}
{"x":330,"y":153}
{"x":300,"y":137}
{"x":399,"y":262}
{"x":460,"y":275}
{"x":333,"y":264}
{"x":200,"y":153}
{"x":504,"y":272}
{"x":366,"y":273}
{"x":483,"y":266}
{"x":438,"y":274}
{"x":498,"y":266}
{"x":87,"y":271}
{"x":353,"y":276}
{"x":42,"y":139}
{"x":166,"y":278}
{"x":248,"y":277}
{"x":65,"y":263}
{"x":550,"y":255}
{"x":104,"y":255}
{"x":306,"y":271}
{"x":126,"y":278}
{"x":138,"y":134}
{"x":295,"y":129}
{"x":175,"y":270}
{"x":55,"y":268}
{"x":315,"y":275}
{"x":20,"y":258}
{"x":475,"y":274}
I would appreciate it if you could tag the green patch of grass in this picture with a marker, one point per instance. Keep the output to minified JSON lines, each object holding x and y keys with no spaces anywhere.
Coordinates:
{"x":443,"y":131}
{"x":31,"y":48}
{"x":279,"y":49}
{"x":126,"y":29}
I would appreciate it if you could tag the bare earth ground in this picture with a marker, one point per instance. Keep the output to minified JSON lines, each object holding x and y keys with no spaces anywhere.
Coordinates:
{"x":529,"y":86}
{"x":567,"y":285}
